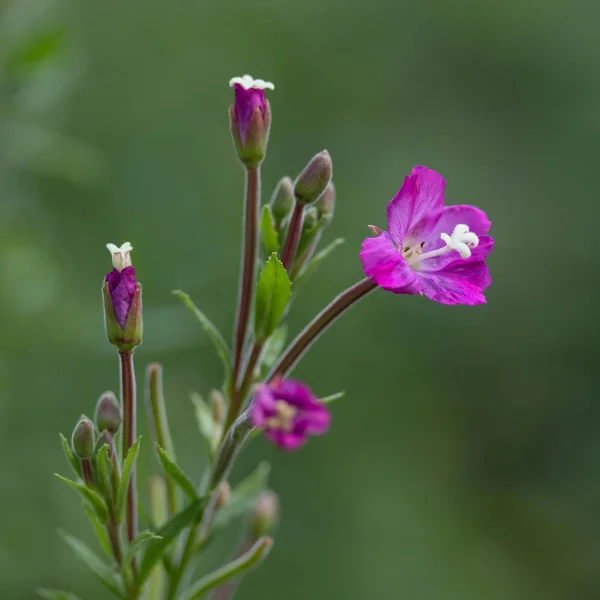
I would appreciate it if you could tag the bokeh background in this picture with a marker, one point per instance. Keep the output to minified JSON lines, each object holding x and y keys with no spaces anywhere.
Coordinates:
{"x":464,"y":461}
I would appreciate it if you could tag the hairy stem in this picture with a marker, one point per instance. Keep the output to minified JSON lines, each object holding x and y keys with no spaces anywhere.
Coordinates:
{"x":317,"y":326}
{"x":249,"y":251}
{"x":290,"y":245}
{"x":129,"y":418}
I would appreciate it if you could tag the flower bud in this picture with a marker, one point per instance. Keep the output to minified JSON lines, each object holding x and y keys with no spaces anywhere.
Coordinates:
{"x":108,"y":413}
{"x":82,"y":440}
{"x":266,"y":514}
{"x":310,"y":226}
{"x":250,"y":117}
{"x":326,"y":204}
{"x":282,"y":201}
{"x":223,"y":494}
{"x":314,"y":179}
{"x":105,"y":438}
{"x":122,"y":301}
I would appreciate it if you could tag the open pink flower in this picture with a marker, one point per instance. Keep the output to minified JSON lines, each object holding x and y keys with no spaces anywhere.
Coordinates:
{"x":430,"y":249}
{"x":288,"y":412}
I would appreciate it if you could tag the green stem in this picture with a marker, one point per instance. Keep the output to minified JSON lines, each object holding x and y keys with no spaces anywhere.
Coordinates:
{"x":159,"y":422}
{"x":256,"y":554}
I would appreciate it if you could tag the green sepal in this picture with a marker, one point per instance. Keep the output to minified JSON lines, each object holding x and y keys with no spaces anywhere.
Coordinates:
{"x":174,"y":472}
{"x":73,"y":461}
{"x":213,"y":333}
{"x":103,"y":571}
{"x":155,"y":548}
{"x":268,"y":233}
{"x":243,"y":496}
{"x":130,"y":336}
{"x":56,"y":594}
{"x":272,"y":294}
{"x":88,"y":495}
{"x":128,"y":465}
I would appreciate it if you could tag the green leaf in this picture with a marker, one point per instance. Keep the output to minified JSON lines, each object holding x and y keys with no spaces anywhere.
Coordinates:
{"x":71,"y":458}
{"x":88,"y":495}
{"x":136,"y":545}
{"x":99,"y":529}
{"x":273,"y":347}
{"x":173,"y":471}
{"x":56,"y":595}
{"x":103,"y":571}
{"x":272,"y":294}
{"x":155,"y":548}
{"x":332,"y":397}
{"x":243,"y":496}
{"x":205,"y":420}
{"x":128,"y":465}
{"x":268,"y":233}
{"x":213,"y":333}
{"x":318,"y":259}
{"x":103,"y":472}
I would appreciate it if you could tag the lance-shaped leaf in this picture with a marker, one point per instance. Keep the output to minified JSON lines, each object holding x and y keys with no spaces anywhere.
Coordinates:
{"x":128,"y":465}
{"x":88,"y":495}
{"x":174,"y":471}
{"x":213,"y":333}
{"x":273,"y":348}
{"x":136,"y":545}
{"x":268,"y":233}
{"x":272,"y":294}
{"x":56,"y":594}
{"x":99,"y":530}
{"x":103,"y":472}
{"x":103,"y":571}
{"x":71,"y":458}
{"x":155,"y":548}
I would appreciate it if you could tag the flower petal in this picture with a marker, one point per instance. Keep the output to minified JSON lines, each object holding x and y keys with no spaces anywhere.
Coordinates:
{"x":384,"y":265}
{"x":417,"y":206}
{"x":122,"y":286}
{"x":263,"y":406}
{"x":460,"y":283}
{"x":285,"y":440}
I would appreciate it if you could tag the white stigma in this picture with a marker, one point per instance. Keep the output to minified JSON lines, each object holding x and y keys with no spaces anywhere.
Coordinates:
{"x":284,"y":418}
{"x":248,"y":82}
{"x":120,"y":256}
{"x":461,"y":240}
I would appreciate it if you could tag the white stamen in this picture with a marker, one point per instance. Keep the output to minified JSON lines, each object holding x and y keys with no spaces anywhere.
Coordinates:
{"x":284,"y":418}
{"x":120,"y":256}
{"x":461,"y":239}
{"x":247,"y":82}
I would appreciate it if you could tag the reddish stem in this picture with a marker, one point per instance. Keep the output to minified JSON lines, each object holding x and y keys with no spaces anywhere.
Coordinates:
{"x":290,"y":245}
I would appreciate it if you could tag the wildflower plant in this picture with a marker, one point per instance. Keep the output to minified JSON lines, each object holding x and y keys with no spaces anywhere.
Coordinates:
{"x":428,"y":249}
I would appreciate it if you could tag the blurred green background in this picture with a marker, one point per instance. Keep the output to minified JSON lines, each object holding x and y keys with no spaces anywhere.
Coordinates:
{"x":464,"y":461}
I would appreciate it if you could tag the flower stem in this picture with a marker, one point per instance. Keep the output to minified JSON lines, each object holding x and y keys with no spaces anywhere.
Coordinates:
{"x":129,"y":417}
{"x":290,"y":245}
{"x":317,"y":326}
{"x":249,"y":250}
{"x":156,"y":404}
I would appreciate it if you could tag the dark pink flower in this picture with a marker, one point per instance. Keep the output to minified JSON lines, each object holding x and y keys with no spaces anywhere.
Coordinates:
{"x":249,"y":95}
{"x":121,"y":281}
{"x":288,"y":412}
{"x":430,"y":249}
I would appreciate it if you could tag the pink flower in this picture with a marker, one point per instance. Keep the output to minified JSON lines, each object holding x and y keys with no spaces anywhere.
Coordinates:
{"x":122,"y":283}
{"x":430,"y":249}
{"x":288,"y":412}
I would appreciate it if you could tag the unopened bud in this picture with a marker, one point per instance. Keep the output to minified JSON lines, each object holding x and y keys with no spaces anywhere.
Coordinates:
{"x":314,"y":179}
{"x":326,"y":204}
{"x":217,"y":405}
{"x":106,"y":438}
{"x":282,"y":201}
{"x":266,"y":514}
{"x":108,"y":413}
{"x":223,"y":494}
{"x":82,"y":440}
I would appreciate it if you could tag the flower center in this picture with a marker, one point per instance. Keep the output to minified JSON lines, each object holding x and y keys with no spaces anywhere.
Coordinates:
{"x":284,"y":418}
{"x":461,"y":239}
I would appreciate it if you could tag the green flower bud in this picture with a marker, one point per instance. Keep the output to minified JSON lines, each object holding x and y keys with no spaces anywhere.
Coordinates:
{"x":265,"y":515}
{"x":315,"y":178}
{"x":82,"y":440}
{"x":282,"y":201}
{"x":108,"y":413}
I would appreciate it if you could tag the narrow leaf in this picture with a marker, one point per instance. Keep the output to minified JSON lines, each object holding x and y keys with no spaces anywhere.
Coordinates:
{"x":205,"y":420}
{"x":239,"y":566}
{"x":268,"y":233}
{"x":332,"y":397}
{"x":136,"y":545}
{"x":103,"y":471}
{"x":155,"y":548}
{"x":173,"y":471}
{"x":243,"y":496}
{"x":71,"y":458}
{"x":272,"y":294}
{"x":103,"y":571}
{"x":56,"y":595}
{"x":318,"y":259}
{"x":128,"y":465}
{"x":99,"y":529}
{"x":273,"y":347}
{"x":89,"y":495}
{"x":213,"y":333}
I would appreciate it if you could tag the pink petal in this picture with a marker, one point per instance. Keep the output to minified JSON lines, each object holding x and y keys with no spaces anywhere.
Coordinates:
{"x":414,"y":211}
{"x":383,"y":264}
{"x":285,"y":440}
{"x":459,"y":283}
